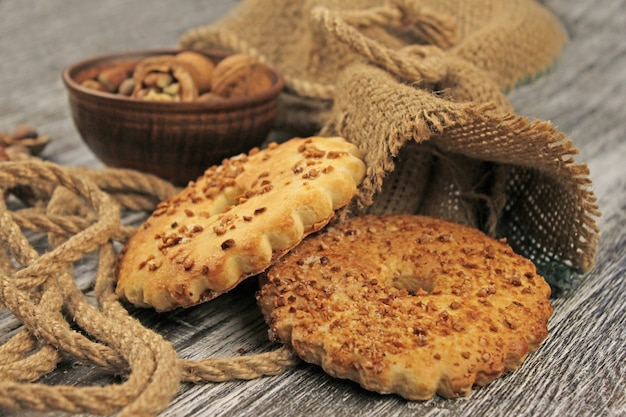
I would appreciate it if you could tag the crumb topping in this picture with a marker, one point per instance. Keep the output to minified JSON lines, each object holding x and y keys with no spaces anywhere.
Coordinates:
{"x":378,"y":291}
{"x":185,"y":245}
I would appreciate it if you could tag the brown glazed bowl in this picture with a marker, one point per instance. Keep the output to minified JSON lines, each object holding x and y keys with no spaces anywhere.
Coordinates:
{"x":176,"y":141}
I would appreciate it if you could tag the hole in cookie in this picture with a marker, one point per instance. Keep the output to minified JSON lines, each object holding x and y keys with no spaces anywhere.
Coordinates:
{"x":413,"y":284}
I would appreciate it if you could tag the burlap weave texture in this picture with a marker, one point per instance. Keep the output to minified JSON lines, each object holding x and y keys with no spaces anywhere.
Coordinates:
{"x":513,"y":41}
{"x":420,"y":87}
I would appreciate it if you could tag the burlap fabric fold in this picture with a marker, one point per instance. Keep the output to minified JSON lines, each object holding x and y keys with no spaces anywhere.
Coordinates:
{"x":513,"y":41}
{"x":419,"y":86}
{"x":473,"y":164}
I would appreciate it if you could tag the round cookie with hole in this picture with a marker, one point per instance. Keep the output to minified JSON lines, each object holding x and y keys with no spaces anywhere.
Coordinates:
{"x":407,"y":304}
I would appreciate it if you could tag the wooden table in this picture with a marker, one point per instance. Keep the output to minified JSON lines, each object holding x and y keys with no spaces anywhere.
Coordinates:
{"x":581,"y":368}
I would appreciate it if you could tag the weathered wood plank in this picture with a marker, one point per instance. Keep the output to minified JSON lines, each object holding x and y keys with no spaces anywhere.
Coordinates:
{"x":579,"y":371}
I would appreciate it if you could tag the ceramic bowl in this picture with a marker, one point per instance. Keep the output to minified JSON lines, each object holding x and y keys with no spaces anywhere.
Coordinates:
{"x":176,"y":141}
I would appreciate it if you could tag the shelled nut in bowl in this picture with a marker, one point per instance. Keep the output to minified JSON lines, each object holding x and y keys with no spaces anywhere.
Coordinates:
{"x":156,"y":111}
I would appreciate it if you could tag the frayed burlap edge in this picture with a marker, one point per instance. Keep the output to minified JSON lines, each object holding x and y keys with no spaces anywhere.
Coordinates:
{"x":537,"y":195}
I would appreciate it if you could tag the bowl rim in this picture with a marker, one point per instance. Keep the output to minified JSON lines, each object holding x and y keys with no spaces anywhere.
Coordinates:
{"x":72,"y":70}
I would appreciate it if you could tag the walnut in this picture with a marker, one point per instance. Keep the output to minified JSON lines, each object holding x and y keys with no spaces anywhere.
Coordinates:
{"x":240,"y":75}
{"x":185,"y":76}
{"x":153,"y":75}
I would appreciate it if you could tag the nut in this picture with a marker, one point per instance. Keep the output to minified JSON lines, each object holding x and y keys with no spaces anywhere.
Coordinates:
{"x":159,"y":72}
{"x":127,"y":87}
{"x":186,"y":76}
{"x":93,"y":85}
{"x":111,"y":78}
{"x":24,"y":136}
{"x":172,"y":89}
{"x":24,"y":131}
{"x":17,"y":152}
{"x":201,"y":66}
{"x":154,"y":95}
{"x":240,"y":75}
{"x":158,"y":80}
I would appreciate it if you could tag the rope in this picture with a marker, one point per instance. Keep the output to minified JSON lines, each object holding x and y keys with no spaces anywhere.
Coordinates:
{"x":78,"y":212}
{"x":423,"y":63}
{"x":429,"y":27}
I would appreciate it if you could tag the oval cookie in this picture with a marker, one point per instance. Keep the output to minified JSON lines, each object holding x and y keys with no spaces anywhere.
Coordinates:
{"x":236,"y":220}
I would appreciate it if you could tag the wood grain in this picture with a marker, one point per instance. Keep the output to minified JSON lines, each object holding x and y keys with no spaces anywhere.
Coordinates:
{"x":579,"y":371}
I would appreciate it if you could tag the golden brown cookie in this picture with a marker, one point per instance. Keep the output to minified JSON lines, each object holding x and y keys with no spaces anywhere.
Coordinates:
{"x":407,"y":304}
{"x":236,"y":220}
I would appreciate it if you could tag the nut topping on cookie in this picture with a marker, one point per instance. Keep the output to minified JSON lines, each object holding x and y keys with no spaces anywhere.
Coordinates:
{"x":407,"y":304}
{"x":236,"y":220}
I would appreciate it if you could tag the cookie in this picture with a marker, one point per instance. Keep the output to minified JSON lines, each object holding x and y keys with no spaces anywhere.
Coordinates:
{"x":236,"y":220}
{"x":407,"y":304}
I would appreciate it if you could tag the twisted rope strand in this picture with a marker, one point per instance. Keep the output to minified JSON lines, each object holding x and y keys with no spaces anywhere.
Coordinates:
{"x":166,"y":376}
{"x":428,"y":26}
{"x":17,"y":347}
{"x":49,"y":324}
{"x":13,"y":239}
{"x":402,"y":65}
{"x":246,"y":367}
{"x":432,"y":27}
{"x":380,"y":16}
{"x":128,"y":183}
{"x":62,"y":224}
{"x":33,"y":366}
{"x":42,"y":397}
{"x":20,"y":360}
{"x":43,"y":289}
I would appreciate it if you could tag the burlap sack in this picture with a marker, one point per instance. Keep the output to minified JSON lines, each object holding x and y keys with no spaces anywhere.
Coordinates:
{"x":419,"y":86}
{"x":473,"y":164}
{"x":513,"y":41}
